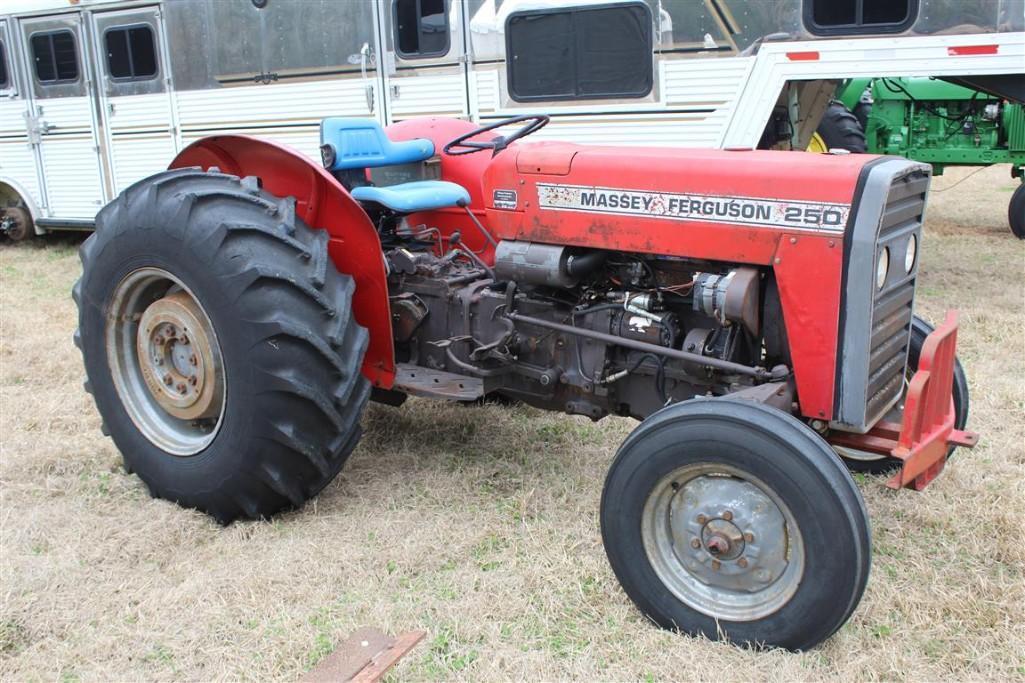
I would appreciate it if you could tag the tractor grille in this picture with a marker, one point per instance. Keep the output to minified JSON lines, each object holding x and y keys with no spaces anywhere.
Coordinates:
{"x":892,"y":306}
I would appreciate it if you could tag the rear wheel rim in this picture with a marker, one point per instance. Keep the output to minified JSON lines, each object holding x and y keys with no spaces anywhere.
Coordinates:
{"x":165,"y":361}
{"x":817,"y":145}
{"x":723,"y":542}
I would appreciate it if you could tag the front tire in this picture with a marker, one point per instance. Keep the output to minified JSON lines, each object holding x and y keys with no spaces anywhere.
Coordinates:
{"x":730,"y":519}
{"x":219,"y":344}
{"x":839,"y":129}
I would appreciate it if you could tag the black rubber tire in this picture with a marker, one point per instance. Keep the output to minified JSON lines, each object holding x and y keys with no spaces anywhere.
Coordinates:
{"x":1016,"y":212}
{"x":840,"y":129}
{"x":292,"y":351}
{"x":920,"y":329}
{"x":787,"y":456}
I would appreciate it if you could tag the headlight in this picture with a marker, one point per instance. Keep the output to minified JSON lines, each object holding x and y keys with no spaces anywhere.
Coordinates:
{"x":911,"y":254}
{"x":882,"y":267}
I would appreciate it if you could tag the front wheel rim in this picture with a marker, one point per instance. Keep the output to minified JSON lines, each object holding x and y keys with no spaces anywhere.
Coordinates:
{"x":723,"y":542}
{"x":165,"y":361}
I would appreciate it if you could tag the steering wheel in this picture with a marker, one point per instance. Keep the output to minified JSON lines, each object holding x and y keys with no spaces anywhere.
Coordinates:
{"x":536,"y":123}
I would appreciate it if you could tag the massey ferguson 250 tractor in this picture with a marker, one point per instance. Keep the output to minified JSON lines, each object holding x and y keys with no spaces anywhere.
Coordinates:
{"x":754,"y":309}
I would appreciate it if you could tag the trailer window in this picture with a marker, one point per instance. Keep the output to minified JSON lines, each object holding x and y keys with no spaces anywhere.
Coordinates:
{"x":131,"y":52}
{"x":579,"y":53}
{"x":421,"y":28}
{"x":55,"y":57}
{"x":3,"y":68}
{"x":847,"y":17}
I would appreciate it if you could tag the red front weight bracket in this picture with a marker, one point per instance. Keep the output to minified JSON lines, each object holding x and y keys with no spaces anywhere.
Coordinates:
{"x":927,"y":431}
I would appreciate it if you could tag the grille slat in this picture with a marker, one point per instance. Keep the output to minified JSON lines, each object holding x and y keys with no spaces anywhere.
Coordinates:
{"x":892,"y":308}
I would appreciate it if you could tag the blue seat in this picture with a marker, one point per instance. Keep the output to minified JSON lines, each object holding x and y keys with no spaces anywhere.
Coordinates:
{"x":350,"y":144}
{"x":422,"y":195}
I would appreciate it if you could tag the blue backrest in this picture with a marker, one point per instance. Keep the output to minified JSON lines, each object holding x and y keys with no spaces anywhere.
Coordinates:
{"x":361,"y":143}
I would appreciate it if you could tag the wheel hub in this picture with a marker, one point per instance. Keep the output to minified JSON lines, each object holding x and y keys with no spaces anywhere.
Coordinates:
{"x":722,"y":542}
{"x":176,"y":359}
{"x":712,"y":519}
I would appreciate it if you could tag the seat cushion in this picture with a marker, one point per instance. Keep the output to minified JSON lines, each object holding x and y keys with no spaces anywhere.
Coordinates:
{"x":361,"y":143}
{"x":423,"y":195}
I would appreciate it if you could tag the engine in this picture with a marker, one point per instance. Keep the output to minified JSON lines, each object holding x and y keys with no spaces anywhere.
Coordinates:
{"x":589,"y":332}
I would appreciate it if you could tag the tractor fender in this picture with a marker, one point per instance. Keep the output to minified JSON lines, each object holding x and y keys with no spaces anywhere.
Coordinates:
{"x":321,"y":202}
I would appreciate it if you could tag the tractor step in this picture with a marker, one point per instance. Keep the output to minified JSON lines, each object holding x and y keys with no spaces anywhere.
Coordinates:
{"x":417,"y":380}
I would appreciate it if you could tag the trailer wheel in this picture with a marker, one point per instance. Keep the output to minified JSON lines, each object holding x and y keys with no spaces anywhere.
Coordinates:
{"x":1016,"y":212}
{"x":730,"y":519}
{"x":838,"y":129}
{"x":219,"y":344}
{"x":16,"y":223}
{"x":871,"y":463}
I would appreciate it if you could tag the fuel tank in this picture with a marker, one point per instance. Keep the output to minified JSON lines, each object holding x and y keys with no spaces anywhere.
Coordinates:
{"x":714,"y":204}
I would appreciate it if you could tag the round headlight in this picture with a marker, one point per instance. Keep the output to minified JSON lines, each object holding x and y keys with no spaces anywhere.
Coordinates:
{"x":911,"y":254}
{"x":882,"y":267}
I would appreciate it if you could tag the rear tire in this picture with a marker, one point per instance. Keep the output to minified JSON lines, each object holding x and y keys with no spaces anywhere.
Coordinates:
{"x":730,"y":519}
{"x":840,"y":129}
{"x":279,"y":344}
{"x":920,"y":329}
{"x":1016,"y":212}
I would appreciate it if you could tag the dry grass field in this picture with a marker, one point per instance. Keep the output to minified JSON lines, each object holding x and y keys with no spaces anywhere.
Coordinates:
{"x":480,"y":525}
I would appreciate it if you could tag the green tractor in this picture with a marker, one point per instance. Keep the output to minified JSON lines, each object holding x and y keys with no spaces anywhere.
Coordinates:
{"x":932,"y":121}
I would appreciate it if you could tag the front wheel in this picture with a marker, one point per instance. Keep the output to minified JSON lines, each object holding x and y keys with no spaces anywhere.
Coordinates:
{"x":219,"y":344}
{"x":730,"y":519}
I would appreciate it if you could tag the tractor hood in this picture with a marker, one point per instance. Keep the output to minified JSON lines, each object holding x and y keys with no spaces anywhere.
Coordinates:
{"x":699,"y":203}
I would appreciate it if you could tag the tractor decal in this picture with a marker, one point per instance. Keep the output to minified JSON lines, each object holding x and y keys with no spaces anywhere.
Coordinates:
{"x":770,"y":213}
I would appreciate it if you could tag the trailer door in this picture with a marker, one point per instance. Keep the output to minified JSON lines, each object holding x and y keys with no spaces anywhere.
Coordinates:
{"x":135,"y":93}
{"x":17,"y":156}
{"x":424,"y":59}
{"x":63,"y":116}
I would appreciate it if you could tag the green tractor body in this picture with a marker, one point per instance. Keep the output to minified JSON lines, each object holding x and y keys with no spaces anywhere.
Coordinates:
{"x":942,"y":124}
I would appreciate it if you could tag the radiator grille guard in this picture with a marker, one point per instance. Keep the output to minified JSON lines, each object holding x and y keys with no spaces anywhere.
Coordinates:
{"x":875,"y":322}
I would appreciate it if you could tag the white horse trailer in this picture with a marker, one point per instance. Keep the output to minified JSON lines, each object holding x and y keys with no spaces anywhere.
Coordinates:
{"x":96,"y":94}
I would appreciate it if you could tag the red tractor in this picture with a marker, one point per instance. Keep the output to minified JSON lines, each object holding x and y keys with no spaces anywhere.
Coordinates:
{"x":753,"y":308}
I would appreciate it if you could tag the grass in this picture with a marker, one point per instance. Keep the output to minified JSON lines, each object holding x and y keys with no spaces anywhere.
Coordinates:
{"x":479,"y":525}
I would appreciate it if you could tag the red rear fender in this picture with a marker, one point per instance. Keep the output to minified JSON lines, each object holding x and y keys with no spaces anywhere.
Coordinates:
{"x":321,"y":202}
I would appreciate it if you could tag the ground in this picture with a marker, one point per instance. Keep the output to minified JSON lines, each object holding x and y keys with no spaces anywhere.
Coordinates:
{"x":480,"y":525}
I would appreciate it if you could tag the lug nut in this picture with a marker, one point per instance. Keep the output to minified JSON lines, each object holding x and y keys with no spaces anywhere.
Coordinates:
{"x":181,"y":387}
{"x":183,"y":339}
{"x":702,"y":519}
{"x":749,"y":537}
{"x":727,"y":515}
{"x":193,"y":380}
{"x":157,"y":360}
{"x":168,"y":380}
{"x":742,"y":562}
{"x":158,"y":340}
{"x":193,"y":360}
{"x":695,"y":543}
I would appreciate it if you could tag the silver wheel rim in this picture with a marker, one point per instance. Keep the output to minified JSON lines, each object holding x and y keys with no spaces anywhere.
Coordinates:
{"x":723,"y":542}
{"x":165,"y":361}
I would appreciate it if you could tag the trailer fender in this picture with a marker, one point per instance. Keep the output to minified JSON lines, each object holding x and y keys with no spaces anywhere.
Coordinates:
{"x":321,"y":202}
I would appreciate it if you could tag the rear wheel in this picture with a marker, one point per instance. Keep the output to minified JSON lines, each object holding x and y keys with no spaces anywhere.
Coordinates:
{"x":219,"y":344}
{"x":733,"y":520}
{"x":1016,"y":212}
{"x":16,"y":223}
{"x":872,"y":463}
{"x":838,"y":129}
